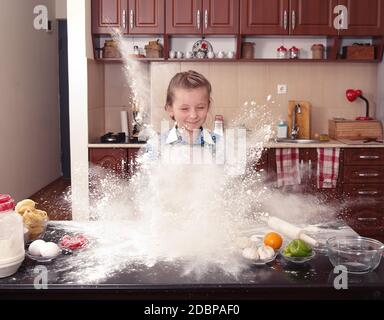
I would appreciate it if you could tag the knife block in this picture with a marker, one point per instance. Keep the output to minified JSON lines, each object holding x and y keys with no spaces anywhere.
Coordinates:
{"x":302,"y":119}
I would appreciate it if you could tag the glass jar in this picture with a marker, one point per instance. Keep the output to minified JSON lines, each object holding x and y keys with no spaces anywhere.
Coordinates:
{"x":294,"y":53}
{"x":11,"y":237}
{"x":317,"y":51}
{"x":247,"y":50}
{"x":282,"y":52}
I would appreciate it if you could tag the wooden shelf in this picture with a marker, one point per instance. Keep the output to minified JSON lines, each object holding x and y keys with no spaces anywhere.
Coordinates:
{"x":120,"y":60}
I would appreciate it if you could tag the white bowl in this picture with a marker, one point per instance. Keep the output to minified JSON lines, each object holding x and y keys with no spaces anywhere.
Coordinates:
{"x":10,"y":268}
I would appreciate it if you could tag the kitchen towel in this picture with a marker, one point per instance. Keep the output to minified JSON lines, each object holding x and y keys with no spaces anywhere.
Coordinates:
{"x":287,"y":165}
{"x":327,"y":167}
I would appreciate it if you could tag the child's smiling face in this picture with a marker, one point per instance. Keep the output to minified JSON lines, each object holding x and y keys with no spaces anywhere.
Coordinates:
{"x":190,"y":107}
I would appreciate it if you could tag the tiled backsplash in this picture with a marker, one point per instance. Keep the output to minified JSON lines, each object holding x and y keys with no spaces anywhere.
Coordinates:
{"x":323,"y":84}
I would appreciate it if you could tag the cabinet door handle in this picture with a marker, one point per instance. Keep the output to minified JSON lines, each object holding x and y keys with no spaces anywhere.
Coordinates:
{"x":206,"y":19}
{"x":293,"y":20}
{"x":131,"y":19}
{"x":198,"y":19}
{"x":124,"y":18}
{"x":369,"y":157}
{"x":285,"y":19}
{"x":367,"y":219}
{"x":367,"y":174}
{"x":367,"y":193}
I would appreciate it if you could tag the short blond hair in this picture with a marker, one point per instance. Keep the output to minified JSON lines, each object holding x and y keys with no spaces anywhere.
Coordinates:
{"x":187,"y":80}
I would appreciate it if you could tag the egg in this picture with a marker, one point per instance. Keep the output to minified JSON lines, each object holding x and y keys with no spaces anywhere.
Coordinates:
{"x":251,"y":253}
{"x":35,"y":246}
{"x":265,"y":252}
{"x":49,"y":250}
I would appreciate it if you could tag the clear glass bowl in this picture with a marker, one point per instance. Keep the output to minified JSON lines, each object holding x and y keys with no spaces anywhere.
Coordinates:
{"x":261,"y":262}
{"x":40,"y":258}
{"x":36,"y":230}
{"x":299,"y":260}
{"x":358,"y":254}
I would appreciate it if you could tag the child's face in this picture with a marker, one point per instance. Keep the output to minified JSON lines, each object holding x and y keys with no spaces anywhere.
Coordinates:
{"x":190,"y":107}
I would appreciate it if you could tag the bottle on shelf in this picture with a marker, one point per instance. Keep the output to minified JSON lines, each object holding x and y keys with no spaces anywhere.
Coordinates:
{"x":282,"y":130}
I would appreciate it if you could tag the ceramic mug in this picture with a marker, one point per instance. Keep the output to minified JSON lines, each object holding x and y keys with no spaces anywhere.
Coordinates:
{"x":220,"y":55}
{"x":189,"y":55}
{"x":179,"y":55}
{"x":210,"y":55}
{"x":172,"y":54}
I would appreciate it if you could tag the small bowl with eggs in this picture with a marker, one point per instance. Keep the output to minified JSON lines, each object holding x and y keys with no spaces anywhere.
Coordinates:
{"x":42,"y":251}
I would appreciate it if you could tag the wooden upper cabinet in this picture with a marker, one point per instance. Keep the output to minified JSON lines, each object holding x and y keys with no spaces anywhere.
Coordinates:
{"x":183,"y":16}
{"x":146,"y":16}
{"x":312,"y":17}
{"x":221,"y":16}
{"x":202,"y":16}
{"x":264,"y":17}
{"x":109,"y":14}
{"x":365,"y":17}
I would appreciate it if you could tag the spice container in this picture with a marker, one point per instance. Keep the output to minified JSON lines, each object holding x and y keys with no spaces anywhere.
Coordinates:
{"x":247,"y":50}
{"x":317,"y":51}
{"x":282,"y":52}
{"x":11,"y":237}
{"x":110,"y":49}
{"x":154,"y":49}
{"x":294,"y":53}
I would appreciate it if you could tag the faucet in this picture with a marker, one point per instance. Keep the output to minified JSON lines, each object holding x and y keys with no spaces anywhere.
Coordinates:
{"x":295,"y":128}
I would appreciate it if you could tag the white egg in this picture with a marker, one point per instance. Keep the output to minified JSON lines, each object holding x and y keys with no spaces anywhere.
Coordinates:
{"x":265,"y":252}
{"x":35,"y":246}
{"x":251,"y":253}
{"x":49,"y":250}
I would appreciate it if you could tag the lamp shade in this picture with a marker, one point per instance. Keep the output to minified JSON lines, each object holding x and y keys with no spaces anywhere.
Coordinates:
{"x":352,"y":95}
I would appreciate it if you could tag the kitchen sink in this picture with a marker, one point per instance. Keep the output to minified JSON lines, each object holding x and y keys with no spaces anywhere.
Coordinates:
{"x":304,"y":141}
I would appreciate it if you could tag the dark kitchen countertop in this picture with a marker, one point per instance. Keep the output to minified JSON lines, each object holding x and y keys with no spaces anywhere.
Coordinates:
{"x":165,"y":280}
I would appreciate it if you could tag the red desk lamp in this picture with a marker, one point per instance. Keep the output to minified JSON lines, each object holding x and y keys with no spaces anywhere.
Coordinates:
{"x":352,"y":95}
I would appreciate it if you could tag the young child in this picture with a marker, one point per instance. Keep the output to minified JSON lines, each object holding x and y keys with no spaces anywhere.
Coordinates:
{"x":187,"y":104}
{"x":188,"y":101}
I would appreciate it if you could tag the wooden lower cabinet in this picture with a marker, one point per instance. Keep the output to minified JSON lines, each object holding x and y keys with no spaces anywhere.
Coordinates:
{"x":121,"y":161}
{"x":359,"y":195}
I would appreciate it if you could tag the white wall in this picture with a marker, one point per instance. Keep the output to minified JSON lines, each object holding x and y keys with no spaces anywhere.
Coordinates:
{"x":61,"y":9}
{"x":29,"y":119}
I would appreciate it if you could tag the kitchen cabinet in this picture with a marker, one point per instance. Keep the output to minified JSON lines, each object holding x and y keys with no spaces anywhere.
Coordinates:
{"x":109,"y":14}
{"x":359,"y":194}
{"x":121,"y":161}
{"x":363,"y":188}
{"x":146,"y":17}
{"x":365,"y":17}
{"x":287,"y":17}
{"x":128,"y":16}
{"x":200,"y":17}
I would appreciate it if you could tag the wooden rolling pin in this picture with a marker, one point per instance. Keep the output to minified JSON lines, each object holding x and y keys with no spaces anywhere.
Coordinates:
{"x":289,"y":230}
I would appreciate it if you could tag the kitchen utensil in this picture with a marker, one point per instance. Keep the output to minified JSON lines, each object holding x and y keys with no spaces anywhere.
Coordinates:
{"x":358,"y":254}
{"x":302,"y":119}
{"x":289,"y":230}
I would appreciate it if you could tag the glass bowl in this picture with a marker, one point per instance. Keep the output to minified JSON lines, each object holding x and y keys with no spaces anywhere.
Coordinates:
{"x":36,"y":230}
{"x":260,"y":262}
{"x":299,"y":260}
{"x":358,"y":254}
{"x":40,"y":258}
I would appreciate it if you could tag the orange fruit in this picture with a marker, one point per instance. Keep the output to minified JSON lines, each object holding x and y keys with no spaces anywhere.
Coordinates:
{"x":273,"y":240}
